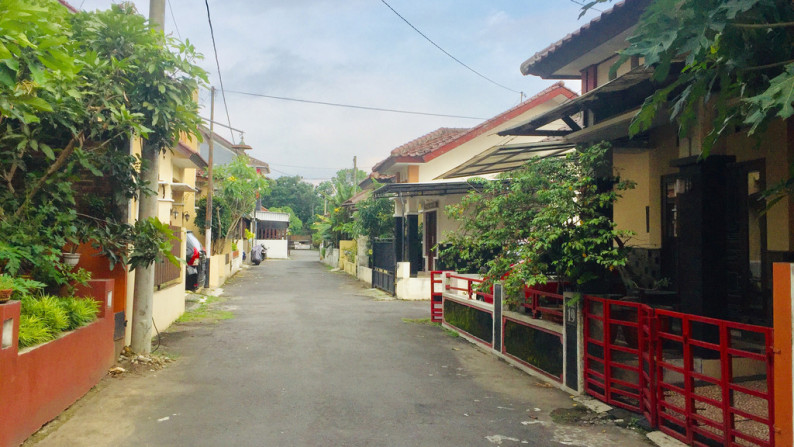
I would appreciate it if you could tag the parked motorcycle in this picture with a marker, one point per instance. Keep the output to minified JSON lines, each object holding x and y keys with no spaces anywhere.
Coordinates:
{"x":258,"y":254}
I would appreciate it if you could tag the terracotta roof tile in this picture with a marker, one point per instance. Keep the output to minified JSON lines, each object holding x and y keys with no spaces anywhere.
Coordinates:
{"x":538,"y":57}
{"x":426,"y":143}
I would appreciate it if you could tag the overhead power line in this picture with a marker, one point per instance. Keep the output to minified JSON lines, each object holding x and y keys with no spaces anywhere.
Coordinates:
{"x":173,"y":19}
{"x":352,"y":106}
{"x":448,"y":54}
{"x":218,"y":65}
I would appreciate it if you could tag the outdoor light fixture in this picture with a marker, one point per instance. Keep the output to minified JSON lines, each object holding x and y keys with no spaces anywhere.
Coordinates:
{"x":175,"y":213}
{"x":186,"y":215}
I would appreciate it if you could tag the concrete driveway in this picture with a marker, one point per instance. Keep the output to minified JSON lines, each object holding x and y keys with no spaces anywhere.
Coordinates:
{"x":312,"y":358}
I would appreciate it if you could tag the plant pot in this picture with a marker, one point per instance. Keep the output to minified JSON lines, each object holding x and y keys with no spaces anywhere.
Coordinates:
{"x":5,"y":295}
{"x":71,"y":259}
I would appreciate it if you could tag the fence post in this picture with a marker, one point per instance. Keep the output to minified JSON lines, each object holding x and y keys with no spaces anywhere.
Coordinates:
{"x":783,"y":324}
{"x":498,"y":297}
{"x":573,"y":342}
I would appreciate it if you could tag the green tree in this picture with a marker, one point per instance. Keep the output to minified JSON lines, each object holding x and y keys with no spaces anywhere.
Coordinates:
{"x":548,"y":218}
{"x":296,"y":194}
{"x":74,"y":88}
{"x":295,"y":224}
{"x":733,"y":56}
{"x":237,"y":186}
{"x":338,"y":222}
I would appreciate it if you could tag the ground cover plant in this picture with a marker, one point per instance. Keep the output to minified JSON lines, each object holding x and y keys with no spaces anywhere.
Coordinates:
{"x":44,"y":317}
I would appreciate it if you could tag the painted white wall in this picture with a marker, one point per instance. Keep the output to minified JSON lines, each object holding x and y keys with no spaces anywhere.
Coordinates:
{"x":407,"y":288}
{"x":365,"y":274}
{"x":463,"y":153}
{"x":276,"y":249}
{"x":169,"y":304}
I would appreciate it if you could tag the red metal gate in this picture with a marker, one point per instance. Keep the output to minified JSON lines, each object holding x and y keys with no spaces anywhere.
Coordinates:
{"x":701,"y":380}
{"x":619,"y":367}
{"x":436,"y":302}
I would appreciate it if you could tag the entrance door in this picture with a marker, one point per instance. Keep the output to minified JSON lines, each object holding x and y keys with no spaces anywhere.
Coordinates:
{"x":745,"y":242}
{"x":431,"y":239}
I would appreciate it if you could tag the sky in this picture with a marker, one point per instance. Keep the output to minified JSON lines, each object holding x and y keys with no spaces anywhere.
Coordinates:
{"x":359,"y":52}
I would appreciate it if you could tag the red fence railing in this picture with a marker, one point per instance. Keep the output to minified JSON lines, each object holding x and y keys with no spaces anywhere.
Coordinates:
{"x":720,"y":387}
{"x":701,"y":380}
{"x":436,"y":301}
{"x":470,"y":289}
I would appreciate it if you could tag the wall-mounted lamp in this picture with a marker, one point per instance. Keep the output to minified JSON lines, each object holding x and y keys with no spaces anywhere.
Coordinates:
{"x":175,"y":213}
{"x":186,"y":216}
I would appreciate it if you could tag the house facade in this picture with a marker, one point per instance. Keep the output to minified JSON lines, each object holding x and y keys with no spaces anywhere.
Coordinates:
{"x":424,"y":178}
{"x":698,"y":222}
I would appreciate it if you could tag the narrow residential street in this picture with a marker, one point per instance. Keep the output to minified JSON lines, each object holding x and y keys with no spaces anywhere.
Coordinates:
{"x":313,"y":358}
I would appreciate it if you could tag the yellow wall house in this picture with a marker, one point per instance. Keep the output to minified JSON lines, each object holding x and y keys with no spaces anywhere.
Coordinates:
{"x":225,"y":260}
{"x":176,"y":198}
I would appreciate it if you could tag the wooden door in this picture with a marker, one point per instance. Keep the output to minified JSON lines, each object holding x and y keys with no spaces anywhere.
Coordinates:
{"x":431,"y":239}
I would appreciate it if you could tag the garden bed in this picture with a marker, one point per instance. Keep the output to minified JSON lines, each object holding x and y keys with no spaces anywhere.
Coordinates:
{"x":40,"y":382}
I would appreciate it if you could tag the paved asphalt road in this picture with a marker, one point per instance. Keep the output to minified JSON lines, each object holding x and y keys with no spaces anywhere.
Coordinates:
{"x":312,"y":358}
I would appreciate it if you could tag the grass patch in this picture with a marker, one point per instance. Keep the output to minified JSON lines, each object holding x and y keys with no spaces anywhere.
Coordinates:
{"x":450,"y":332}
{"x":426,"y":321}
{"x":569,"y":415}
{"x":206,"y":312}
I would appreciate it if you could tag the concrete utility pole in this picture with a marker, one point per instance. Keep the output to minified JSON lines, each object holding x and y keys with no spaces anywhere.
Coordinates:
{"x":210,"y":183}
{"x":143,"y":297}
{"x":355,"y":176}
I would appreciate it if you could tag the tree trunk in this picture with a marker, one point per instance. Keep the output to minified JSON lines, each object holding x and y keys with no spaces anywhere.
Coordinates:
{"x":143,"y":297}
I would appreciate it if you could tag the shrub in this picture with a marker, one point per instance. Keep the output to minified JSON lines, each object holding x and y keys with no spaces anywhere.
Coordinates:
{"x":80,"y":311}
{"x":33,"y":331}
{"x":49,"y":309}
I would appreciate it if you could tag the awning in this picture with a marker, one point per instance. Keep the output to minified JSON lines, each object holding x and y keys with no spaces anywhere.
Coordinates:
{"x":426,"y":189}
{"x":567,"y":110}
{"x":507,"y":157}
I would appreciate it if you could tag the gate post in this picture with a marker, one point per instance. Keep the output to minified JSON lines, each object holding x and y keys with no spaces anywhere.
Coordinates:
{"x":498,"y":297}
{"x":783,"y":325}
{"x":573,"y":342}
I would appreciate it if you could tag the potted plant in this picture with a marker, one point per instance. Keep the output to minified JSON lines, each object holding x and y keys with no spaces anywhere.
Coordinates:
{"x":6,"y":288}
{"x":81,"y":233}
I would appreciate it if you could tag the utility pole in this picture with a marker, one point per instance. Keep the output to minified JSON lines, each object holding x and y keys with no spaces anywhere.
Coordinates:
{"x":210,"y":185}
{"x":143,"y":296}
{"x":355,"y":176}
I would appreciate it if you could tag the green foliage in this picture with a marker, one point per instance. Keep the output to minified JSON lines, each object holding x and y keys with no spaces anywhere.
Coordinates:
{"x":237,"y":185}
{"x":295,"y":224}
{"x":49,"y":309}
{"x":733,"y":57}
{"x":296,"y":194}
{"x":33,"y":331}
{"x":152,"y":242}
{"x":338,"y":223}
{"x":548,"y":218}
{"x":74,"y":88}
{"x":43,"y":318}
{"x":374,"y":218}
{"x":80,"y":311}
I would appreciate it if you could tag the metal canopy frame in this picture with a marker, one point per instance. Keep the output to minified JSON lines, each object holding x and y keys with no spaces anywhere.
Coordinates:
{"x":426,"y":189}
{"x":507,"y":157}
{"x":567,"y":110}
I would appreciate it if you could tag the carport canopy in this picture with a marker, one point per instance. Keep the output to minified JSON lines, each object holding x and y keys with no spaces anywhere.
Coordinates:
{"x":426,"y":189}
{"x":506,"y":158}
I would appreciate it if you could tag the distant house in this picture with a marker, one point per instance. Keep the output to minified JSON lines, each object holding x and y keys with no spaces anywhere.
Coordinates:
{"x":429,"y":173}
{"x":226,"y":261}
{"x":272,"y":229}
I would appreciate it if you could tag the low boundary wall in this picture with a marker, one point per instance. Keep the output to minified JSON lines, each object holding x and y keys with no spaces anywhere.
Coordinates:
{"x":37,"y":384}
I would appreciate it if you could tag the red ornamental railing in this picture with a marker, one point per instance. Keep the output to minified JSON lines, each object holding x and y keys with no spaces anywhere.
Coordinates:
{"x":725,"y":405}
{"x":470,"y":290}
{"x":436,"y":300}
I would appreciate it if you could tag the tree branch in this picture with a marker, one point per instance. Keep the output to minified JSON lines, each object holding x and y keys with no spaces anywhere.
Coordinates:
{"x":58,"y":164}
{"x":764,"y":67}
{"x":763,"y":25}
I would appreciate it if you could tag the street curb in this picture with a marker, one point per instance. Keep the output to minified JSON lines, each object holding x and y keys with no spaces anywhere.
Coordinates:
{"x":664,"y":440}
